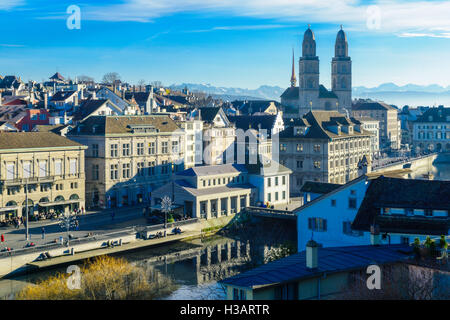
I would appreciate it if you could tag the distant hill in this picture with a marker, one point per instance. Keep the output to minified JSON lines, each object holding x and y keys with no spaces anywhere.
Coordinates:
{"x":410,"y":94}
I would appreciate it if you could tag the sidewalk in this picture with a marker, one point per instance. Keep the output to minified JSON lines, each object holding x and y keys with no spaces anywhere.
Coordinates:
{"x":96,"y":222}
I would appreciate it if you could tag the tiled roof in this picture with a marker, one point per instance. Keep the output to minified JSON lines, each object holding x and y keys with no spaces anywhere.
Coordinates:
{"x":319,"y":187}
{"x":386,"y":192}
{"x":62,"y":95}
{"x":244,"y":122}
{"x":120,"y":124}
{"x":325,"y":93}
{"x":254,"y":106}
{"x":213,"y":170}
{"x":330,"y":260}
{"x":26,"y":140}
{"x":435,"y":115}
{"x":373,"y":105}
{"x":290,"y":93}
{"x":87,"y":108}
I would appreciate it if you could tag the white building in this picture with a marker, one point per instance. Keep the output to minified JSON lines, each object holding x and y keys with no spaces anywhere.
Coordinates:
{"x":431,"y":131}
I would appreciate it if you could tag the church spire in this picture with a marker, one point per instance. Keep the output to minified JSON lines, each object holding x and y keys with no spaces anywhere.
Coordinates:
{"x":293,"y":77}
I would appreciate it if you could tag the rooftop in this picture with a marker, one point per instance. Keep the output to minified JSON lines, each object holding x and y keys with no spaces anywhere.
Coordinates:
{"x":331,"y":260}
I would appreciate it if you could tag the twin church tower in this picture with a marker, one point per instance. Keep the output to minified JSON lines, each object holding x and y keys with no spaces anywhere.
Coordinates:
{"x":310,"y":95}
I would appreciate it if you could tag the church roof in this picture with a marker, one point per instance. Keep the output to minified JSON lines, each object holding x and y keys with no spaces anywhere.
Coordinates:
{"x":325,"y":93}
{"x":290,"y":93}
{"x":309,"y":35}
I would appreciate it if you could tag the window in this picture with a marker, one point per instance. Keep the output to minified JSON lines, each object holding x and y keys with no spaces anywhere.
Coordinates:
{"x":317,"y":148}
{"x":276,"y":196}
{"x":299,"y":147}
{"x":165,"y":147}
{"x":317,"y":164}
{"x":276,"y":181}
{"x":73,"y":166}
{"x":165,"y":167}
{"x":140,"y":169}
{"x":42,"y":117}
{"x":73,"y":185}
{"x":140,"y":148}
{"x":126,"y":149}
{"x":283,"y":147}
{"x":269,"y":197}
{"x":95,"y":150}
{"x":269,"y":182}
{"x":239,"y":294}
{"x":151,"y":148}
{"x":126,"y":170}
{"x":114,"y":171}
{"x":175,"y":147}
{"x":333,"y":202}
{"x":95,"y":172}
{"x":284,"y":195}
{"x":283,"y":180}
{"x":347,"y":229}
{"x":42,"y":168}
{"x":317,"y":224}
{"x":27,"y":169}
{"x":299,"y":164}
{"x":352,"y":203}
{"x":114,"y":153}
{"x":151,"y":168}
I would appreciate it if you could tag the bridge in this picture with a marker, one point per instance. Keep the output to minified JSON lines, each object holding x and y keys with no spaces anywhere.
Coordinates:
{"x":270,"y":213}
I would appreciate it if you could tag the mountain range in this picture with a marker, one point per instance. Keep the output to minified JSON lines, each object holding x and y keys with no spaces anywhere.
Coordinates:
{"x":410,"y":94}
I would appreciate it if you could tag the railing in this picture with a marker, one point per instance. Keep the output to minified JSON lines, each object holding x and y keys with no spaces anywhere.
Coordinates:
{"x":170,"y":225}
{"x":403,"y":161}
{"x":272,"y":212}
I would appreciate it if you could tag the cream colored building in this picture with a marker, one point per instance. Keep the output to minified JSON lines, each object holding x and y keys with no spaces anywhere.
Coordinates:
{"x":323,"y":146}
{"x":390,"y":134}
{"x":52,"y":166}
{"x":128,"y":157}
{"x":194,"y":142}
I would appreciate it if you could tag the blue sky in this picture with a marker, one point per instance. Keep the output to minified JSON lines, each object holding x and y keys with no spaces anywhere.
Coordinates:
{"x":245,"y":43}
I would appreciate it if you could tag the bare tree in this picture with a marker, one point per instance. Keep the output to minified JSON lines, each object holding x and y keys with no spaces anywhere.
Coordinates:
{"x":400,"y":282}
{"x":84,"y":78}
{"x":111,"y":77}
{"x":157,"y":84}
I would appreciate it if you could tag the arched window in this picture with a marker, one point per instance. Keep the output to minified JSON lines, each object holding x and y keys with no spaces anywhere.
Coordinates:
{"x":74,"y":197}
{"x":59,"y":198}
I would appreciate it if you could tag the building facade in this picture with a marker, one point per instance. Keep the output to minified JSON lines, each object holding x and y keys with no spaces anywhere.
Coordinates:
{"x":128,"y":157}
{"x":390,"y":135}
{"x":50,"y":165}
{"x":323,"y":147}
{"x":431,"y":131}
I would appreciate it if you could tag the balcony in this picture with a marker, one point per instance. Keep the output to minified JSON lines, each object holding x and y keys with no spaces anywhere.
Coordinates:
{"x":32,"y":180}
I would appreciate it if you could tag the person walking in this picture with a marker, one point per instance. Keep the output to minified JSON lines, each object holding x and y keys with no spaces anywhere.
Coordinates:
{"x":2,"y":238}
{"x":43,"y":233}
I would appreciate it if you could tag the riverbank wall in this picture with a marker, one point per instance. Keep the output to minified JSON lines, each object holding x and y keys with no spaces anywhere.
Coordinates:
{"x":16,"y":263}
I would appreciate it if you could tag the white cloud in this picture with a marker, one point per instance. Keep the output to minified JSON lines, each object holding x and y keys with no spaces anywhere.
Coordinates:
{"x":395,"y":16}
{"x":9,"y":4}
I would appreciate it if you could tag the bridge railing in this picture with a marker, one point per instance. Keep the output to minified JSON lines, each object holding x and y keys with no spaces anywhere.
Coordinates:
{"x":268,"y":210}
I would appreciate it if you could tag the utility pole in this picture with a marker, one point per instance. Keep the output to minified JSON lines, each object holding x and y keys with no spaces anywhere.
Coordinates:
{"x":26,"y":205}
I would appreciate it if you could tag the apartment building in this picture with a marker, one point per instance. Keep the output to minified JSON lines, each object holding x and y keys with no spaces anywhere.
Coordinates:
{"x":390,"y":136}
{"x":373,"y":126}
{"x":431,"y":131}
{"x":323,"y":146}
{"x":128,"y":157}
{"x":194,"y":141}
{"x":51,"y":166}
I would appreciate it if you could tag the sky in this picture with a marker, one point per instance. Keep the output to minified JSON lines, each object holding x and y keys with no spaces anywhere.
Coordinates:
{"x":230,"y":43}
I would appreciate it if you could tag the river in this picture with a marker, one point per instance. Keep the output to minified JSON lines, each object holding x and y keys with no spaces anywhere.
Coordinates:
{"x":196,"y":265}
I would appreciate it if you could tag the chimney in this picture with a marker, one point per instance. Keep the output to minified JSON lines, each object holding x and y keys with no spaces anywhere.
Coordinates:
{"x":375,"y":237}
{"x":312,"y":254}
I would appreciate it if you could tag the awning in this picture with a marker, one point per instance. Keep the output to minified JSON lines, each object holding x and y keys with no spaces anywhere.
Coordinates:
{"x":9,"y":208}
{"x":58,"y":203}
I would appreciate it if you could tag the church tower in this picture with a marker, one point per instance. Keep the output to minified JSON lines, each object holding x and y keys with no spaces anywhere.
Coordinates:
{"x":341,"y":72}
{"x":308,"y":74}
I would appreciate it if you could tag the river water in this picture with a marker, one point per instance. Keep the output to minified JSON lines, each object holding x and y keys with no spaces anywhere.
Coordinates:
{"x":196,"y":265}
